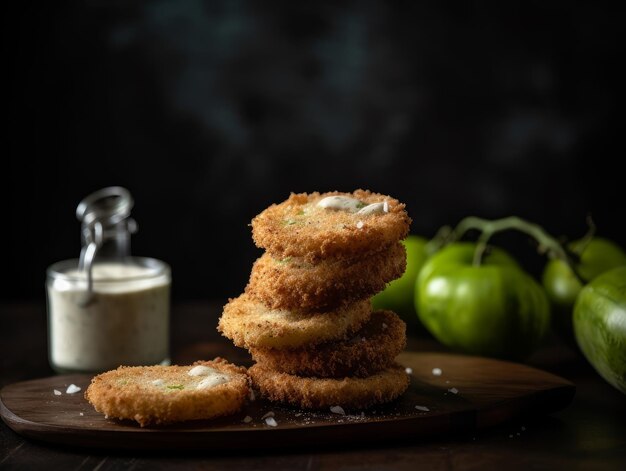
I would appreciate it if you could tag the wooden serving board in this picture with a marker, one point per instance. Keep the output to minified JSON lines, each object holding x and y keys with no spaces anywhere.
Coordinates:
{"x":471,"y":393}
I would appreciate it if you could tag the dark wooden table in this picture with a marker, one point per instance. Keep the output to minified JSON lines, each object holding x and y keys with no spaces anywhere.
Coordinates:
{"x":589,"y":434}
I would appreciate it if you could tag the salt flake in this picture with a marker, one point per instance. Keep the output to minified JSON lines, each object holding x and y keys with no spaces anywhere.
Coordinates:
{"x":422,"y":408}
{"x":409,"y":371}
{"x":269,"y":414}
{"x":271,"y":422}
{"x":247,"y":419}
{"x":453,"y":390}
{"x":72,"y":389}
{"x":437,"y":371}
{"x":57,"y":392}
{"x":338,"y":410}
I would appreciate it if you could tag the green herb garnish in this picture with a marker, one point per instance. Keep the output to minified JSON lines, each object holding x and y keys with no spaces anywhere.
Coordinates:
{"x":175,"y":386}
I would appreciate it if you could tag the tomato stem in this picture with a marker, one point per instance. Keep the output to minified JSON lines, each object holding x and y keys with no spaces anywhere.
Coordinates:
{"x":488,"y":228}
{"x":441,"y":238}
{"x":584,"y":242}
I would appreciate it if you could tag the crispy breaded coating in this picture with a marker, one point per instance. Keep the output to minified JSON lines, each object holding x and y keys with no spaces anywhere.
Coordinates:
{"x":293,"y":283}
{"x":318,"y":393}
{"x":373,"y":348}
{"x":165,"y":394}
{"x":298,"y":227}
{"x":249,"y":323}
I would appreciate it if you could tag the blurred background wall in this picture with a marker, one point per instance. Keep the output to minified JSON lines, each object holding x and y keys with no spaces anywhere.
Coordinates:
{"x":210,"y":111}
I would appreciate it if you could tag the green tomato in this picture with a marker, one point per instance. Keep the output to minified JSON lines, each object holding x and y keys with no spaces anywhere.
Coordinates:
{"x":495,"y":309}
{"x":398,"y":295}
{"x":600,"y":325}
{"x":562,"y":285}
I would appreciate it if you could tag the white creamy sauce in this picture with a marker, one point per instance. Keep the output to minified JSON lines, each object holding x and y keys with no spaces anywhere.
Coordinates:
{"x":213,"y":379}
{"x":353,"y":205}
{"x":201,"y":370}
{"x":111,"y":271}
{"x":374,"y":208}
{"x":343,"y":203}
{"x":126,"y":321}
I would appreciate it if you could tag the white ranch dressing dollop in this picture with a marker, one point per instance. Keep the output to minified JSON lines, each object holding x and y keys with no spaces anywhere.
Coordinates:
{"x":353,"y":205}
{"x":212,"y":377}
{"x":201,"y":370}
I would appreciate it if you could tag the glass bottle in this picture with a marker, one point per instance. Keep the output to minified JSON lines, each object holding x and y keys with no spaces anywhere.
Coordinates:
{"x":107,"y":308}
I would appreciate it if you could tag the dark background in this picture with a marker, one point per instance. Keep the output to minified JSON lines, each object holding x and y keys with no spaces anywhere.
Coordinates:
{"x":210,"y":111}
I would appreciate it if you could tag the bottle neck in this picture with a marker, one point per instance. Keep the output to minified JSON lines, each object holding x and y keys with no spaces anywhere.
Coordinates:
{"x":113,"y":242}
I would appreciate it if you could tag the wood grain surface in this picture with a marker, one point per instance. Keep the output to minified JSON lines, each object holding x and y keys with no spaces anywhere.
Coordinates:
{"x":471,"y":393}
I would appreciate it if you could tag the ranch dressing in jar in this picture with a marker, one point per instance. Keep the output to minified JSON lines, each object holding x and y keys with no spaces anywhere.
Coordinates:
{"x":107,"y":308}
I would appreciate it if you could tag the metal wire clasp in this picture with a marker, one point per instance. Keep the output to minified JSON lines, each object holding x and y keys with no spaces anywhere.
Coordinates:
{"x":105,"y":217}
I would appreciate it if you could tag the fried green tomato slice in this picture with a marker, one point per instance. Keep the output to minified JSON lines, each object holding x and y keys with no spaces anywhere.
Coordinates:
{"x":152,"y":395}
{"x":322,"y":393}
{"x":292,"y":283}
{"x":340,"y":225}
{"x":372,"y":349}
{"x":249,"y":323}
